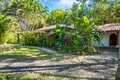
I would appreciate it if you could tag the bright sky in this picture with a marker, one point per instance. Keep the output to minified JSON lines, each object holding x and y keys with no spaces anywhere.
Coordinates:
{"x":64,"y":4}
{"x":55,"y":4}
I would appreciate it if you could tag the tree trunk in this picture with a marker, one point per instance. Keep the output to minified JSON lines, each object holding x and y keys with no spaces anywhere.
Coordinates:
{"x":118,"y":69}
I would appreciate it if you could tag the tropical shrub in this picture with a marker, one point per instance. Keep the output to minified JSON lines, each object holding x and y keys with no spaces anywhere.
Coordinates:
{"x":7,"y":27}
{"x":43,"y":39}
{"x":62,"y":37}
{"x":12,"y":38}
{"x":77,"y":40}
{"x":48,"y":41}
{"x":3,"y":28}
{"x":87,"y":32}
{"x":4,"y":77}
{"x":29,"y":38}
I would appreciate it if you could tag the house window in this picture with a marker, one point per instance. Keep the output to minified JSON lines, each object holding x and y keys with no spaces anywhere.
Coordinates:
{"x":113,"y":40}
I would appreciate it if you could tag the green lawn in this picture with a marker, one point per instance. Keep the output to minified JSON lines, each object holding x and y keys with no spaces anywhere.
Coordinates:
{"x":34,"y":54}
{"x":42,"y":76}
{"x":27,"y":52}
{"x":37,"y":76}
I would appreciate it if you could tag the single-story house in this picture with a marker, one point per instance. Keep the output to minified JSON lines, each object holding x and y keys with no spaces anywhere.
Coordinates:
{"x":110,"y":36}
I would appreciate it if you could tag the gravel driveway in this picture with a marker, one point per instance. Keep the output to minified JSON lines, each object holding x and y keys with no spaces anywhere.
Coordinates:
{"x":91,"y":66}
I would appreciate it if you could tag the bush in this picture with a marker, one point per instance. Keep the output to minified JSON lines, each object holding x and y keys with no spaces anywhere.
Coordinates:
{"x":45,"y":41}
{"x":32,"y":39}
{"x":9,"y":38}
{"x":4,"y":77}
{"x":77,"y":40}
{"x":29,"y":38}
{"x":12,"y":38}
{"x":7,"y":27}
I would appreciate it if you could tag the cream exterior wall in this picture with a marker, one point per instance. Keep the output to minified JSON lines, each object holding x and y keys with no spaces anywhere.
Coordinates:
{"x":105,"y":38}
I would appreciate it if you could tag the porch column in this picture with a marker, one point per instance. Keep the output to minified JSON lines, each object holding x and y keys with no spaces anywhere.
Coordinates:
{"x":18,"y":36}
{"x":118,"y":69}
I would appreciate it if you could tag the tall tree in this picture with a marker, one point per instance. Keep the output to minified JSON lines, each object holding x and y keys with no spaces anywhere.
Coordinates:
{"x":68,"y":18}
{"x":60,"y":16}
{"x":7,"y":25}
{"x":118,"y":69}
{"x":56,"y":16}
{"x":99,"y":14}
{"x":74,"y":10}
{"x":29,"y":13}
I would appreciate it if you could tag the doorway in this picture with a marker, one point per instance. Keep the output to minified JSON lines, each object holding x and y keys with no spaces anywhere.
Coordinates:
{"x":113,"y":40}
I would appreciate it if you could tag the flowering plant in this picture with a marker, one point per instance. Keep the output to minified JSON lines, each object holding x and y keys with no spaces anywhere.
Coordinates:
{"x":76,"y":40}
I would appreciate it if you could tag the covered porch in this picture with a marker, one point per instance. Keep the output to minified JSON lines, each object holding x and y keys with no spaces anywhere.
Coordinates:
{"x":111,"y":35}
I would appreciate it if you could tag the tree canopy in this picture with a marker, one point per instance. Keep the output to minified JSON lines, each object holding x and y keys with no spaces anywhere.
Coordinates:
{"x":30,"y":14}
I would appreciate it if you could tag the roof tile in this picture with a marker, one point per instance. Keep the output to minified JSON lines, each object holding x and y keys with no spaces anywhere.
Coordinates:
{"x":110,"y":27}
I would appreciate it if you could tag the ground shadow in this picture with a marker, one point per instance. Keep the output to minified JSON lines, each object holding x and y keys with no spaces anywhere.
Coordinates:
{"x":60,"y":68}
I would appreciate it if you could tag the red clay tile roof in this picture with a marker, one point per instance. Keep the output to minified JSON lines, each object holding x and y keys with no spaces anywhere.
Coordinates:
{"x":106,"y":27}
{"x":51,"y":27}
{"x":110,"y":27}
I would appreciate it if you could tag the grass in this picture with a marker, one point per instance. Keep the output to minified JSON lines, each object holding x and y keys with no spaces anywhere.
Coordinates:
{"x":42,"y":76}
{"x":33,"y":53}
{"x":27,"y":52}
{"x":36,"y":54}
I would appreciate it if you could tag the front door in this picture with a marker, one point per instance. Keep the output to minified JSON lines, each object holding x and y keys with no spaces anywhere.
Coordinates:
{"x":113,"y":40}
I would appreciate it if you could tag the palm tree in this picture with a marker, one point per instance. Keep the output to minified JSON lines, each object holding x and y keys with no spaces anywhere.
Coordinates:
{"x":29,"y":13}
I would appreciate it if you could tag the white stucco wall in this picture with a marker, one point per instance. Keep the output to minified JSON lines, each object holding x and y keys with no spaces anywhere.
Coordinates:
{"x":106,"y":36}
{"x":105,"y":39}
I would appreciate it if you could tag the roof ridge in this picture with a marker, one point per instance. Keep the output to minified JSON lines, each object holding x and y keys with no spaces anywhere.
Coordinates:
{"x":110,"y":27}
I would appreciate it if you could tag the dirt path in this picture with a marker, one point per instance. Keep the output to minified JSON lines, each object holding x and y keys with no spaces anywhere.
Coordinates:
{"x":93,"y":66}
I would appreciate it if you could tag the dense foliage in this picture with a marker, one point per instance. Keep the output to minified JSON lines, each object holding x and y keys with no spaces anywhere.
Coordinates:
{"x":105,"y":13}
{"x":7,"y":29}
{"x":30,"y":15}
{"x":59,"y":16}
{"x":76,"y":40}
{"x":4,"y":77}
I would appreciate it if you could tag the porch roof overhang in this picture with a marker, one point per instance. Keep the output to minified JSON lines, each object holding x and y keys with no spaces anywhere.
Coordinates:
{"x":107,"y":27}
{"x":51,"y":27}
{"x":110,"y":27}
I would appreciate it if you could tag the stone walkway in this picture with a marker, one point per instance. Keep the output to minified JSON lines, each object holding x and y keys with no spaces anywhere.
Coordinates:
{"x":91,"y":66}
